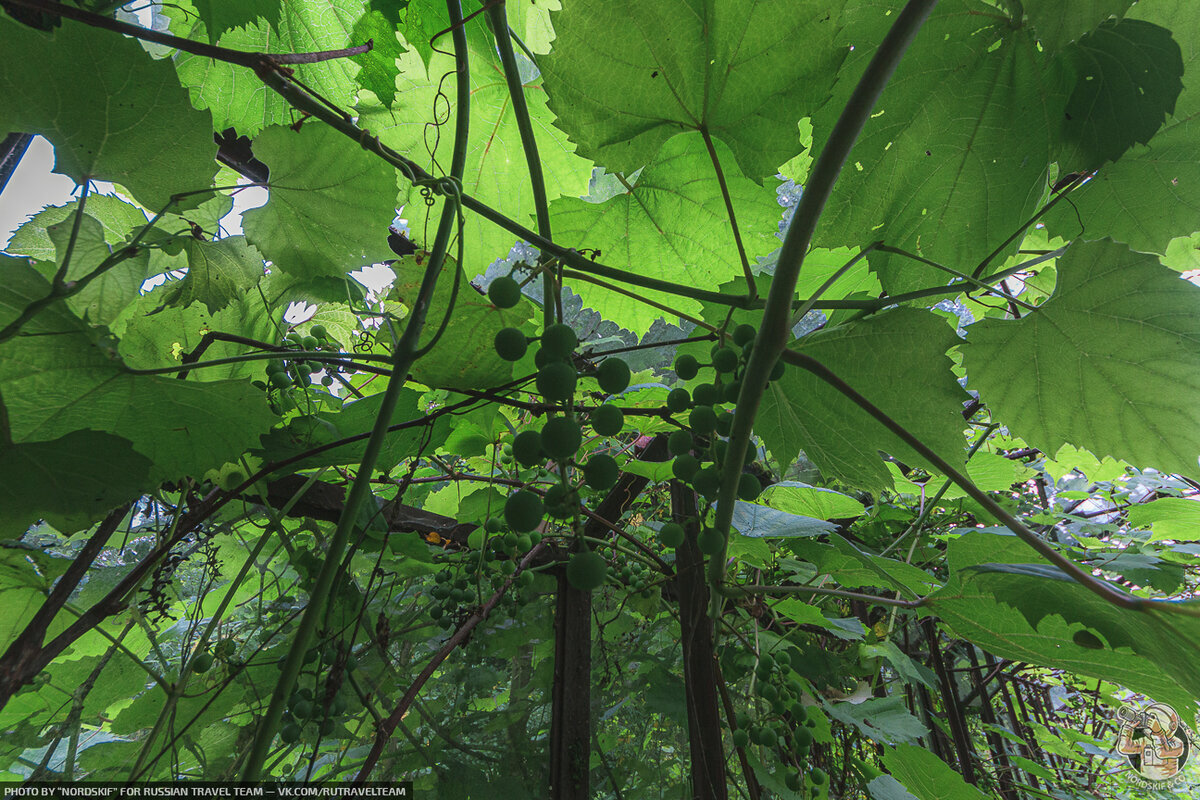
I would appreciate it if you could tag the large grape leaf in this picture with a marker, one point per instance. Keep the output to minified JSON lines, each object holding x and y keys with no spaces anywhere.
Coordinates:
{"x":104,"y":89}
{"x":890,"y":358}
{"x":235,"y":96}
{"x":1058,"y":23}
{"x":1110,"y":363}
{"x":379,"y":66}
{"x":330,"y":205}
{"x":496,"y":171}
{"x":744,"y":70}
{"x":670,"y":224}
{"x":71,"y":481}
{"x":218,"y":273}
{"x":117,"y":217}
{"x":62,"y":376}
{"x":465,"y":356}
{"x":1127,"y":76}
{"x":938,"y":169}
{"x":1007,"y":600}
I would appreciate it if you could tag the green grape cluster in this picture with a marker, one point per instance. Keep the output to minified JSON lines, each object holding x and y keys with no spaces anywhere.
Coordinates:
{"x":634,"y":576}
{"x":283,"y":374}
{"x":307,"y":710}
{"x":450,"y":593}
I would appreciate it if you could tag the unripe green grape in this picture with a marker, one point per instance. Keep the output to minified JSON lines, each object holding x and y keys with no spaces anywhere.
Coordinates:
{"x":202,"y":662}
{"x":671,"y":534}
{"x":561,"y":437}
{"x":706,"y":482}
{"x":731,"y":391}
{"x":685,"y":466}
{"x":309,"y":342}
{"x":523,"y":511}
{"x":724,"y":422}
{"x":706,"y":394}
{"x":524,"y":543}
{"x":559,"y":340}
{"x":327,"y":380}
{"x":276,"y":365}
{"x":744,"y":334}
{"x":687,"y":367}
{"x":725,"y":359}
{"x":504,"y":292}
{"x":601,"y":471}
{"x":527,"y":448}
{"x":741,"y":738}
{"x":302,"y":709}
{"x":777,"y":370}
{"x":680,"y":442}
{"x":793,"y":780}
{"x":613,"y":375}
{"x":801,"y":736}
{"x":304,"y":370}
{"x":280,"y":380}
{"x":493,"y":525}
{"x":319,"y":332}
{"x":510,"y":344}
{"x":817,"y":776}
{"x":586,"y":571}
{"x":703,"y":420}
{"x":710,"y":541}
{"x":556,"y":381}
{"x":678,"y":401}
{"x":607,"y":420}
{"x":289,"y":733}
{"x":748,"y":487}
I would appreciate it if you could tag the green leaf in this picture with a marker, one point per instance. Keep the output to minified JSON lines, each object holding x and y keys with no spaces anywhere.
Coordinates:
{"x":330,"y":206}
{"x":63,"y":377}
{"x":880,"y":719}
{"x":117,"y":217}
{"x":1170,"y":518}
{"x":1110,"y":363}
{"x":890,"y":358}
{"x":671,"y":223}
{"x":745,"y":72}
{"x":218,"y":273}
{"x":811,"y":501}
{"x":103,"y":299}
{"x":221,"y":15}
{"x":496,"y":172}
{"x":938,"y":170}
{"x":239,"y":100}
{"x":104,"y":87}
{"x":1144,"y":199}
{"x":1058,"y":23}
{"x":379,"y":67}
{"x":885,"y":787}
{"x":1127,"y":77}
{"x":1151,"y":653}
{"x":70,"y":482}
{"x":927,"y":776}
{"x":465,"y":356}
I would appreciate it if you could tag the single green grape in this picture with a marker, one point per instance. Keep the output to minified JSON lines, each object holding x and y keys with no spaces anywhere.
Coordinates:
{"x":504,"y":292}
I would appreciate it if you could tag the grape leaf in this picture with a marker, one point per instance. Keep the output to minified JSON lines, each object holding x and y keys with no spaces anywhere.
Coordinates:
{"x":71,"y":481}
{"x":239,"y":100}
{"x":62,"y":376}
{"x":937,"y":170}
{"x":1110,"y":363}
{"x":218,"y":273}
{"x":100,"y":301}
{"x":330,"y":206}
{"x":1127,"y":77}
{"x":1058,"y":23}
{"x":926,"y":775}
{"x":671,"y":223}
{"x":496,"y":172}
{"x":222,"y":15}
{"x":379,"y":67}
{"x":889,"y":358}
{"x":105,"y":87}
{"x":743,"y":71}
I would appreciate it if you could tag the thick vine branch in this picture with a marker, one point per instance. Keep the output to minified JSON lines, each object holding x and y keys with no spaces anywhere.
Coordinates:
{"x":775,"y":330}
